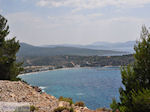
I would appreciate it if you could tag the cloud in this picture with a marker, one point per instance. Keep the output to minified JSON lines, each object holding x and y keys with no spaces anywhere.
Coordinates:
{"x":91,"y":4}
{"x":42,"y":3}
{"x":72,"y":19}
{"x":1,"y":10}
{"x":73,"y":28}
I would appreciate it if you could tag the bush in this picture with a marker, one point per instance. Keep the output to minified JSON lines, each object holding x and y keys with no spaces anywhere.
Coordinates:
{"x":33,"y":108}
{"x":61,"y":98}
{"x":104,"y":109}
{"x":60,"y":109}
{"x":141,"y":99}
{"x":114,"y":105}
{"x":71,"y":109}
{"x":80,"y":104}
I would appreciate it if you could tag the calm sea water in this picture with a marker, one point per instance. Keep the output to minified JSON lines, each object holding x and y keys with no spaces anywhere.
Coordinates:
{"x":95,"y":86}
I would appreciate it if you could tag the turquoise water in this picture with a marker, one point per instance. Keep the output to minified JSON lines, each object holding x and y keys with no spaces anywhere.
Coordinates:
{"x":95,"y":86}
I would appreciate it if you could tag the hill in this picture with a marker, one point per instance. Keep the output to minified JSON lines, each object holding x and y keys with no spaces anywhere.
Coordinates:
{"x":17,"y":93}
{"x":116,"y":46}
{"x":29,"y":50}
{"x":74,"y":61}
{"x":119,"y":46}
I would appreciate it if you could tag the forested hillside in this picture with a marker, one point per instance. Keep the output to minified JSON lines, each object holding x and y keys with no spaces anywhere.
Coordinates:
{"x":29,"y":50}
{"x":83,"y":61}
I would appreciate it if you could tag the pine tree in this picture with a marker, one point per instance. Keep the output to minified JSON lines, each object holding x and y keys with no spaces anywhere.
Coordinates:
{"x":9,"y":68}
{"x":136,"y":79}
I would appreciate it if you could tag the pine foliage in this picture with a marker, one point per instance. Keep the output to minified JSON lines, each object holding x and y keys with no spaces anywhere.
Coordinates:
{"x":9,"y":68}
{"x":135,"y":95}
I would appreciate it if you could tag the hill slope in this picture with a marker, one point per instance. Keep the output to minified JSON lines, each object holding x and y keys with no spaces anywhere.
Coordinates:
{"x":14,"y":92}
{"x":117,"y":46}
{"x":29,"y":50}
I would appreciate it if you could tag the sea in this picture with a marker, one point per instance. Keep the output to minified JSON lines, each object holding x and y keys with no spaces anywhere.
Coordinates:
{"x":96,"y":87}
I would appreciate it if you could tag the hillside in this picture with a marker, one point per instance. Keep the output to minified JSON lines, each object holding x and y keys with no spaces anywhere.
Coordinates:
{"x":82,"y":61}
{"x":29,"y":50}
{"x":116,"y":46}
{"x":17,"y":93}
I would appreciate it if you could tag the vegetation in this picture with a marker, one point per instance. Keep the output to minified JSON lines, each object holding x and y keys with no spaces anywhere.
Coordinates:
{"x":71,"y":109}
{"x":60,"y":109}
{"x":83,"y":61}
{"x":80,"y":104}
{"x":135,"y":96}
{"x":33,"y":108}
{"x":141,"y":99}
{"x":29,"y":50}
{"x":103,"y":110}
{"x":61,"y":98}
{"x":9,"y":68}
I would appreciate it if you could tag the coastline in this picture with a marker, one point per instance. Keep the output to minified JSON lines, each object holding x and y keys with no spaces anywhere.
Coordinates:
{"x":20,"y":94}
{"x":64,"y":68}
{"x":25,"y":95}
{"x":97,"y":69}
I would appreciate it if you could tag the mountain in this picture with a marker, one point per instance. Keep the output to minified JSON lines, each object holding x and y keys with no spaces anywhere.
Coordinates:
{"x":119,"y":46}
{"x":30,"y":50}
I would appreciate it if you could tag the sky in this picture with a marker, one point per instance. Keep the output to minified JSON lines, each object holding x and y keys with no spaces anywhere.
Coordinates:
{"x":47,"y":22}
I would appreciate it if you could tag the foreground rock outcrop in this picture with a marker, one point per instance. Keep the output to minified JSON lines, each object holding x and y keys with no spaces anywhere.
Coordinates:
{"x":18,"y":91}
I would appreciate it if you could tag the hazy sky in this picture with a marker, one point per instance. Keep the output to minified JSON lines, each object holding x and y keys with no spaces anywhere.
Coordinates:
{"x":40,"y":22}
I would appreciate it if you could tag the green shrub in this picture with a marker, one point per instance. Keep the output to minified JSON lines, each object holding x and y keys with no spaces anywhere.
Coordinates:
{"x":33,"y":108}
{"x":141,"y":99}
{"x":61,"y":98}
{"x":114,"y":105}
{"x":71,"y":109}
{"x":104,"y":109}
{"x":80,"y":104}
{"x":60,"y":109}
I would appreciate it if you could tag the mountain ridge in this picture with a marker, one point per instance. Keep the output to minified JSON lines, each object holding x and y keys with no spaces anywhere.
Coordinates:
{"x":30,"y":50}
{"x":116,"y":46}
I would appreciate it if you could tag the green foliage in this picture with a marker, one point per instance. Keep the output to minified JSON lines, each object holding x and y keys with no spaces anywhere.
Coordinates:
{"x":80,"y":104}
{"x":103,"y":110}
{"x":114,"y":105}
{"x":141,"y":99}
{"x":61,"y":98}
{"x":60,"y":109}
{"x":71,"y":109}
{"x":136,"y":79}
{"x":29,"y":50}
{"x":33,"y":108}
{"x":9,"y":68}
{"x":94,"y":61}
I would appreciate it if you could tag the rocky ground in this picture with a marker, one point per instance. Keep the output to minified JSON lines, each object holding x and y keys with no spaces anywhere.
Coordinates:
{"x":24,"y":93}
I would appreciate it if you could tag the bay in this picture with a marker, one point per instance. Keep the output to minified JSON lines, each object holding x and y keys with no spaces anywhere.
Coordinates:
{"x":95,"y":86}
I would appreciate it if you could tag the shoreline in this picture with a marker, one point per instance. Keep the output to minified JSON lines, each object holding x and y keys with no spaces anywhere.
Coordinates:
{"x":64,"y":68}
{"x":18,"y":91}
{"x":45,"y":88}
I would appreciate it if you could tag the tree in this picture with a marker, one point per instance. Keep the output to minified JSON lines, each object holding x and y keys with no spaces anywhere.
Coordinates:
{"x":136,"y":79}
{"x":9,"y":68}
